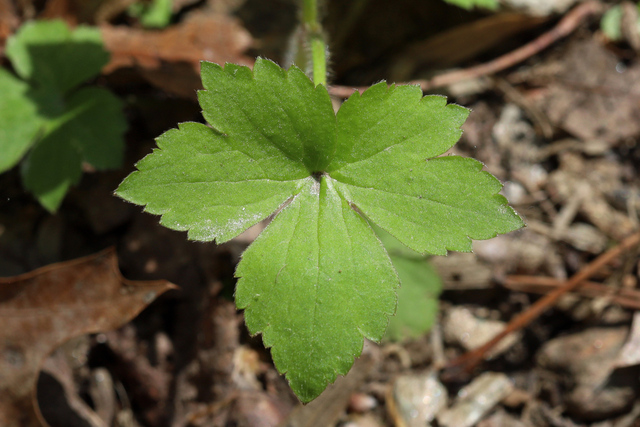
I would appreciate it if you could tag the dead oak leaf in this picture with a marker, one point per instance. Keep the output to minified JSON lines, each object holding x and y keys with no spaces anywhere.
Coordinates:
{"x":42,"y":309}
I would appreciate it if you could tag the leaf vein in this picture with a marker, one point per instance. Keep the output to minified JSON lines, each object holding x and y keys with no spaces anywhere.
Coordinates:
{"x":372,"y":128}
{"x":242,"y":181}
{"x":424,"y":199}
{"x":260,"y":131}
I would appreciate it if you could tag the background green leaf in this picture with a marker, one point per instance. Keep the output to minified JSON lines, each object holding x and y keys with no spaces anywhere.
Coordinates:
{"x":611,"y":22}
{"x":418,"y":294}
{"x":470,"y":4}
{"x":49,"y":53}
{"x":314,"y":283}
{"x":96,"y":126}
{"x":417,"y":309}
{"x":154,"y":14}
{"x":19,"y":120}
{"x":90,"y":130}
{"x":52,"y":166}
{"x":64,"y":126}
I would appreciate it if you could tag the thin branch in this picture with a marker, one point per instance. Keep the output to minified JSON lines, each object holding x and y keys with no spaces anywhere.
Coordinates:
{"x":629,"y":298}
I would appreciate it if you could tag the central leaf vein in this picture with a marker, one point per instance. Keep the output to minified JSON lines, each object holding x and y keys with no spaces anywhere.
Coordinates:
{"x":220,"y":181}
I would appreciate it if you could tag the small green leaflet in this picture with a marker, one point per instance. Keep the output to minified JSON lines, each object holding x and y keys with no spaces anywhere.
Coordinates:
{"x":317,"y":281}
{"x":19,"y":120}
{"x":470,"y":4}
{"x":611,"y":22}
{"x":45,"y":117}
{"x":154,"y":14}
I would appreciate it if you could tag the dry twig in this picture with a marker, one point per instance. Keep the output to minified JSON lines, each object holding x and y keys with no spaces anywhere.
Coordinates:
{"x":629,"y":298}
{"x":566,"y":26}
{"x":473,"y":358}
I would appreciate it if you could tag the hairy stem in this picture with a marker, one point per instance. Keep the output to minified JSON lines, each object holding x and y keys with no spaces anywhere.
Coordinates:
{"x":316,"y":41}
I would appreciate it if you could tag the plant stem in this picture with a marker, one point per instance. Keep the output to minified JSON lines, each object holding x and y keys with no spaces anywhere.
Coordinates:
{"x":319,"y":58}
{"x":316,"y":40}
{"x":310,"y":13}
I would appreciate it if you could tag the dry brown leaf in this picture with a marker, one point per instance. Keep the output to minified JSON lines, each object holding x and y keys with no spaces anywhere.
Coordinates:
{"x":42,"y":309}
{"x":170,"y":58}
{"x":209,"y":37}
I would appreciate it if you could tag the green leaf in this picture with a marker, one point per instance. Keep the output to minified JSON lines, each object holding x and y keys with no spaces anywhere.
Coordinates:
{"x":417,"y":309}
{"x":49,"y":53}
{"x":610,"y":23}
{"x":52,"y":166}
{"x":470,"y":4}
{"x":156,"y":14}
{"x":19,"y":120}
{"x":74,"y":125}
{"x":95,"y":124}
{"x":394,"y":247}
{"x":90,"y":129}
{"x":317,"y":280}
{"x":305,"y":285}
{"x":420,"y":286}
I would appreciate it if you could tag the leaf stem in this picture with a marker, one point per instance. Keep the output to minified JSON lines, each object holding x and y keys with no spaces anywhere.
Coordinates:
{"x":315,"y":37}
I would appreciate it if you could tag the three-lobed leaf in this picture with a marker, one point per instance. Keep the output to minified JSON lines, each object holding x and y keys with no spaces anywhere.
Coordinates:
{"x":317,"y":281}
